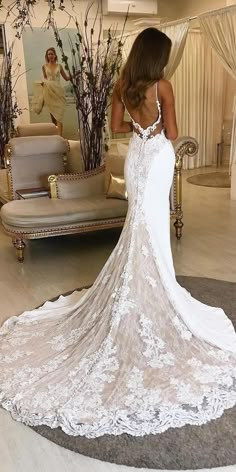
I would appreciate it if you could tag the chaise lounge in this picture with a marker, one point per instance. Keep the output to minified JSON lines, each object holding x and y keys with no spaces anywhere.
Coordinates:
{"x":80,"y":202}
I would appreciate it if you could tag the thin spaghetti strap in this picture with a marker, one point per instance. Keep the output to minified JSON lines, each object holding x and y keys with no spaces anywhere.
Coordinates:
{"x":126,"y":109}
{"x":157,"y":87}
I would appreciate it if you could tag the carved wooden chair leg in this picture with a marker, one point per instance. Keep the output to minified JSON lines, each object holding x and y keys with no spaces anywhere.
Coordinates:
{"x":20,"y":246}
{"x":178,"y":224}
{"x":178,"y":208}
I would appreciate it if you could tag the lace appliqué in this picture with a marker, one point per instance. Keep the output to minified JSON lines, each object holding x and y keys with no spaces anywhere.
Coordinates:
{"x":213,"y":374}
{"x":145,"y":251}
{"x":182,"y":329}
{"x":14,"y":356}
{"x":154,"y":346}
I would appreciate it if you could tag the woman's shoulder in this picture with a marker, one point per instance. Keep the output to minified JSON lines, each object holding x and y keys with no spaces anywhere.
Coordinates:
{"x":117,"y":87}
{"x":164,"y":86}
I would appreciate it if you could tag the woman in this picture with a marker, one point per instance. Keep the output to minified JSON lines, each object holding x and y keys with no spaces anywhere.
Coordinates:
{"x":54,"y":95}
{"x":136,"y":353}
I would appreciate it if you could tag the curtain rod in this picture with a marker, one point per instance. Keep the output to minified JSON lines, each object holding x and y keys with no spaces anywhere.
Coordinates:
{"x":191,"y":18}
{"x":179,"y":20}
{"x":195,"y":17}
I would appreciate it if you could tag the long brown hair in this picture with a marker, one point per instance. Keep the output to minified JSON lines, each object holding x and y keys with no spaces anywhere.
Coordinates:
{"x":46,"y":54}
{"x":145,"y":64}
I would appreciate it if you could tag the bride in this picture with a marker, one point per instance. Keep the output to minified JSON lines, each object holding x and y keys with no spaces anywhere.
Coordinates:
{"x":135,"y":353}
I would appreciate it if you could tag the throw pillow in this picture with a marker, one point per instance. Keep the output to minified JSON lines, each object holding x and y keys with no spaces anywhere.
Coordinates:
{"x":117,"y":188}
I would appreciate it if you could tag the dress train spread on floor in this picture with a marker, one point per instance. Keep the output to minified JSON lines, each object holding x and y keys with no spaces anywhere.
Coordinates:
{"x":135,"y":353}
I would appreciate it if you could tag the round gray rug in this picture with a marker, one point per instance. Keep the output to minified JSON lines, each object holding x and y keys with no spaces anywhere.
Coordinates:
{"x":213,"y":179}
{"x":189,"y":447}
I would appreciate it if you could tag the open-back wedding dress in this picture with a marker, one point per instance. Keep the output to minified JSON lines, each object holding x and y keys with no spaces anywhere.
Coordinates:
{"x":135,"y":353}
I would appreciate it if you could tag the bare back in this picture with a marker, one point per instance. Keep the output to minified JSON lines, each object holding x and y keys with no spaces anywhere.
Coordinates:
{"x":148,"y":113}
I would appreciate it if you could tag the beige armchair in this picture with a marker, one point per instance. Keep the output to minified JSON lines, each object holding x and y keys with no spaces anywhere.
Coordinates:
{"x":79,"y":203}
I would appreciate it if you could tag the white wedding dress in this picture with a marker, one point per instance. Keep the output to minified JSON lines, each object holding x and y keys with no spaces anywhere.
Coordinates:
{"x":135,"y":353}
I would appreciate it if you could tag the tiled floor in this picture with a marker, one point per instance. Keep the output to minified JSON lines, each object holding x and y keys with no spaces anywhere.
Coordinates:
{"x":54,"y":266}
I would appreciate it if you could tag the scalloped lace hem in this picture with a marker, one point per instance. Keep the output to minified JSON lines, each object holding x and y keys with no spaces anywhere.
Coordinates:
{"x":120,"y":423}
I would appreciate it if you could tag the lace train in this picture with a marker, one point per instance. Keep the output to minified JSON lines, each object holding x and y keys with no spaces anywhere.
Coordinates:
{"x":133,"y":354}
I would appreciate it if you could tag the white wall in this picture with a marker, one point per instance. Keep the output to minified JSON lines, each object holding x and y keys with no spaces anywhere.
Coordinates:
{"x":196,"y":7}
{"x":169,"y":9}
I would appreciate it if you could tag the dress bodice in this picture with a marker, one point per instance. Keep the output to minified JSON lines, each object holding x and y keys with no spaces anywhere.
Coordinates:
{"x":53,"y":74}
{"x":146,"y":133}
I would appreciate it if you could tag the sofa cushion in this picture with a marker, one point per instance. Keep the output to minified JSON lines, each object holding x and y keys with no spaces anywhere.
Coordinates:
{"x":119,"y":146}
{"x":122,"y":149}
{"x":114,"y":165}
{"x":33,"y":159}
{"x":74,"y":158}
{"x":45,"y":212}
{"x":36,"y":129}
{"x":117,"y":187}
{"x":79,"y":186}
{"x":35,"y":146}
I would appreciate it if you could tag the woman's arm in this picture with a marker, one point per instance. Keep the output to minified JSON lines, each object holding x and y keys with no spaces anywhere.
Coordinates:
{"x":168,"y":109}
{"x":44,"y":73}
{"x":118,"y":125}
{"x":63,"y":74}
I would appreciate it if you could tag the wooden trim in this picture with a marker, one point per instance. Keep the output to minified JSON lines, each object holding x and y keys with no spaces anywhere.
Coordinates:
{"x":60,"y":231}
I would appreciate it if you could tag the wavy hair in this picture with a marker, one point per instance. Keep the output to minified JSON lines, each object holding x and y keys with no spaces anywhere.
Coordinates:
{"x":46,"y":54}
{"x":145,"y":65}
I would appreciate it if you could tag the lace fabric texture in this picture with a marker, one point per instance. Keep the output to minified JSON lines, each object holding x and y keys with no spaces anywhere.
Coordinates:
{"x":135,"y":353}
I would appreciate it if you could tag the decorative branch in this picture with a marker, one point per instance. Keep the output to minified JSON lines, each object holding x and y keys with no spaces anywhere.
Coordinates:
{"x":95,"y":65}
{"x":9,"y":109}
{"x":23,"y":11}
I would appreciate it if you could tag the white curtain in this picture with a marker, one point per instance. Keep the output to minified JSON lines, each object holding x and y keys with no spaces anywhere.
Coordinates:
{"x":128,"y":44}
{"x":198,"y":85}
{"x":233,"y":137}
{"x":177,"y":32}
{"x":220,"y":30}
